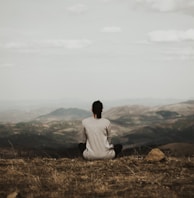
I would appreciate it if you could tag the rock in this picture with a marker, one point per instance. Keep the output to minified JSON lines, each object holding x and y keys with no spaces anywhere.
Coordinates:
{"x":155,"y":155}
{"x":13,"y":195}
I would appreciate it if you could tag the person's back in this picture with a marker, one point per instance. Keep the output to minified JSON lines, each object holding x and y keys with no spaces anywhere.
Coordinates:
{"x":95,"y":136}
{"x":97,"y":144}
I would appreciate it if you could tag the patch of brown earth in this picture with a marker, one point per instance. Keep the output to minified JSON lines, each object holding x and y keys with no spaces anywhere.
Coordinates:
{"x":123,"y":177}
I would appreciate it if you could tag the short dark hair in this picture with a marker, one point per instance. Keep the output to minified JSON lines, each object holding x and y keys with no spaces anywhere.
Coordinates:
{"x":97,"y":107}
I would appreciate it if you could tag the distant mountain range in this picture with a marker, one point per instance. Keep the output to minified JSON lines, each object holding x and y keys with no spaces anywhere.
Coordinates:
{"x":18,"y":111}
{"x":183,"y":108}
{"x":64,"y":114}
{"x":135,"y":112}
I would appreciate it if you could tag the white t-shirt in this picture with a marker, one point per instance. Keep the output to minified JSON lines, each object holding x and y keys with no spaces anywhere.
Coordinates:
{"x":96,"y":135}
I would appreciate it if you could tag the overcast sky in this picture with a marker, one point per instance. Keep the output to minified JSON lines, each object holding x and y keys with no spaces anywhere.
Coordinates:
{"x":96,"y":49}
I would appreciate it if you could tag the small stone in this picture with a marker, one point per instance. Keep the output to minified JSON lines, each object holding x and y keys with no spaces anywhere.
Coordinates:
{"x":13,"y":195}
{"x":155,"y":155}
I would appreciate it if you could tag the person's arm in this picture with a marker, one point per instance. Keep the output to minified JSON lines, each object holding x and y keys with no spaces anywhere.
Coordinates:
{"x":82,"y":135}
{"x":109,"y":133}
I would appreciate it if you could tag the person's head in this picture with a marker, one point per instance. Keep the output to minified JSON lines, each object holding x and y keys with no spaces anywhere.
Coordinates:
{"x":97,"y":107}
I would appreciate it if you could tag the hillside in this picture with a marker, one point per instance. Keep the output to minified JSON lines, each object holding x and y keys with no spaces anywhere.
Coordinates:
{"x":184,"y":108}
{"x":157,"y":133}
{"x":131,"y":110}
{"x":159,"y":112}
{"x":137,"y":117}
{"x":64,"y":114}
{"x":126,"y":177}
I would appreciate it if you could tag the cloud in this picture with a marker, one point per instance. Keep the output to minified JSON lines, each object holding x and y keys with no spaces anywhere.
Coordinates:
{"x":167,"y":5}
{"x":68,"y":44}
{"x":77,"y":8}
{"x":171,"y":35}
{"x":111,"y":29}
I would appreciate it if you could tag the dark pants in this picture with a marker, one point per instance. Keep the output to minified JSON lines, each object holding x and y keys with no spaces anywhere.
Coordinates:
{"x":82,"y":147}
{"x":117,"y":148}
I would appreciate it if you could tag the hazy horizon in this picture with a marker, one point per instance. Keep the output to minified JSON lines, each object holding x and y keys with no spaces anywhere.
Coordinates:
{"x":96,"y":49}
{"x":29,"y":105}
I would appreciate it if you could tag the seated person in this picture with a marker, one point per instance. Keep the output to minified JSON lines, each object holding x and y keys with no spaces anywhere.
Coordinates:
{"x":95,"y":136}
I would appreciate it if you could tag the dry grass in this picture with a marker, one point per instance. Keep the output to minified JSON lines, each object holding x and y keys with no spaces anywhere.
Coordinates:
{"x":123,"y":177}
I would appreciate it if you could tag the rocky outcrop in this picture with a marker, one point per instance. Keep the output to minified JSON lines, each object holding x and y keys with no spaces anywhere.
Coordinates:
{"x":155,"y":155}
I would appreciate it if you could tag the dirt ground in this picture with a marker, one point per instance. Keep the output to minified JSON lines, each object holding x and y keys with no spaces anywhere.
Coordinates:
{"x":126,"y":177}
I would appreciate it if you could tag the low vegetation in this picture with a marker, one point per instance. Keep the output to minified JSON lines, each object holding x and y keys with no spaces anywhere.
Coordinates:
{"x":129,"y":176}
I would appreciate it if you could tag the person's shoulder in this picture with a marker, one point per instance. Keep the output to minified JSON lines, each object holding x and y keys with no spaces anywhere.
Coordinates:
{"x":106,"y":120}
{"x":86,"y":119}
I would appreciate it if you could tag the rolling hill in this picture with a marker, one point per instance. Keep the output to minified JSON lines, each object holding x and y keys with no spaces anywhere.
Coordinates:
{"x":64,"y":114}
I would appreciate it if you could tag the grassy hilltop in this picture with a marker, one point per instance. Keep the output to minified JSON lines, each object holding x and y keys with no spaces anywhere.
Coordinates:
{"x":130,"y":176}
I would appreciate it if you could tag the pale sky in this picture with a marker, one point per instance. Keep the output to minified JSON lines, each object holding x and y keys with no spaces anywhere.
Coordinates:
{"x":96,"y":49}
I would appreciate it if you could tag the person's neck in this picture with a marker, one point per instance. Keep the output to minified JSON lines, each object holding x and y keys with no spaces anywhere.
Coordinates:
{"x":95,"y":116}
